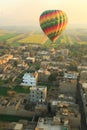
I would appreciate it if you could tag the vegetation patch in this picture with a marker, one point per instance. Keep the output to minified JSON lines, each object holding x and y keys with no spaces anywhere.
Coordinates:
{"x":34,"y":38}
{"x":7,"y":36}
{"x":15,"y":38}
{"x":18,"y":89}
{"x":12,"y":118}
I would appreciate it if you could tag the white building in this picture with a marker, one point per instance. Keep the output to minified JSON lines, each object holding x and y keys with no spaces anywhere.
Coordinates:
{"x":30,"y":79}
{"x":70,"y":75}
{"x":65,"y":52}
{"x":38,"y":94}
{"x":30,"y":59}
{"x":18,"y":126}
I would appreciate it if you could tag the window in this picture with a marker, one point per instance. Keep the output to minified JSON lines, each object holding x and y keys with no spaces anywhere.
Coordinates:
{"x":32,"y":95}
{"x":41,"y":93}
{"x":41,"y":96}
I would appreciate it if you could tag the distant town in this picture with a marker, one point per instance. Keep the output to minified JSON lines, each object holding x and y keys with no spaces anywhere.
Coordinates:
{"x":43,"y":86}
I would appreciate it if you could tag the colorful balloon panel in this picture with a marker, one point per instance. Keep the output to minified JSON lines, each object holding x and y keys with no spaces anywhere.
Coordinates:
{"x":53,"y":23}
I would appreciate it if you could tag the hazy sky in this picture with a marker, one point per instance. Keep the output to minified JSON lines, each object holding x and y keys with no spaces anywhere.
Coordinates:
{"x":27,"y":12}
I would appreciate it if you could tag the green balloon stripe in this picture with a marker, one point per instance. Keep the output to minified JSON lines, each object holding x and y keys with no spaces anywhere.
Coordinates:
{"x":53,"y":23}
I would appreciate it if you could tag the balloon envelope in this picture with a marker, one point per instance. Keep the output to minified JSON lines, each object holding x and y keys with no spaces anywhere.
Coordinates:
{"x":53,"y":22}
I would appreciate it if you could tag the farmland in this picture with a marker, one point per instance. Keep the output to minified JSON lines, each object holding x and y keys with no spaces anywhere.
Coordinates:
{"x":15,"y":38}
{"x":6,"y":36}
{"x":69,"y":37}
{"x":34,"y":38}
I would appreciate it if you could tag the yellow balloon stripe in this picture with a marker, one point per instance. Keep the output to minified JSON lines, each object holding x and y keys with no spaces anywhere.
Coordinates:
{"x":53,"y":23}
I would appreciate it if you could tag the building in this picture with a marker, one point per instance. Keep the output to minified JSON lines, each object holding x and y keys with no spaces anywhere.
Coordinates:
{"x":82,"y":68}
{"x":38,"y":94}
{"x":43,"y":75}
{"x":18,"y":126}
{"x":67,"y":112}
{"x":70,"y":75}
{"x":11,"y":126}
{"x":5,"y":58}
{"x":68,"y":88}
{"x":50,"y":124}
{"x":65,"y":52}
{"x":30,"y":79}
{"x":84,"y":60}
{"x":83,"y":76}
{"x":41,"y":107}
{"x":83,"y":91}
{"x":46,"y":57}
{"x":30,"y":59}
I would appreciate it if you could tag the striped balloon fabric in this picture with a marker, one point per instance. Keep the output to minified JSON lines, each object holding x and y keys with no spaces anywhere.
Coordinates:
{"x":53,"y":22}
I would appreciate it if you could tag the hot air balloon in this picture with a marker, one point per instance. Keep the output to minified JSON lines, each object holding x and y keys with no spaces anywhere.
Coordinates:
{"x":53,"y":23}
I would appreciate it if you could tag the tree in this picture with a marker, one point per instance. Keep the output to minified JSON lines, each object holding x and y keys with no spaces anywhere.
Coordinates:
{"x":15,"y":64}
{"x":53,"y":77}
{"x":27,"y":106}
{"x":73,"y":66}
{"x":61,"y":58}
{"x":25,"y":88}
{"x":37,"y":66}
{"x":61,"y":73}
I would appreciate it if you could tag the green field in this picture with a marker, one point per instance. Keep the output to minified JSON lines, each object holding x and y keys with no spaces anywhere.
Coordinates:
{"x":15,"y":38}
{"x":34,"y":38}
{"x":69,"y":37}
{"x":7,"y":36}
{"x":19,"y":89}
{"x":12,"y":118}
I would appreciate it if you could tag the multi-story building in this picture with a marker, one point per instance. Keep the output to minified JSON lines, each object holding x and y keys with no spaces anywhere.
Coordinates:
{"x":43,"y":75}
{"x":38,"y":94}
{"x":83,"y":76}
{"x":83,"y":92}
{"x":51,"y":124}
{"x":65,"y":52}
{"x":70,"y":75}
{"x":4,"y":59}
{"x":30,"y":59}
{"x":30,"y":79}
